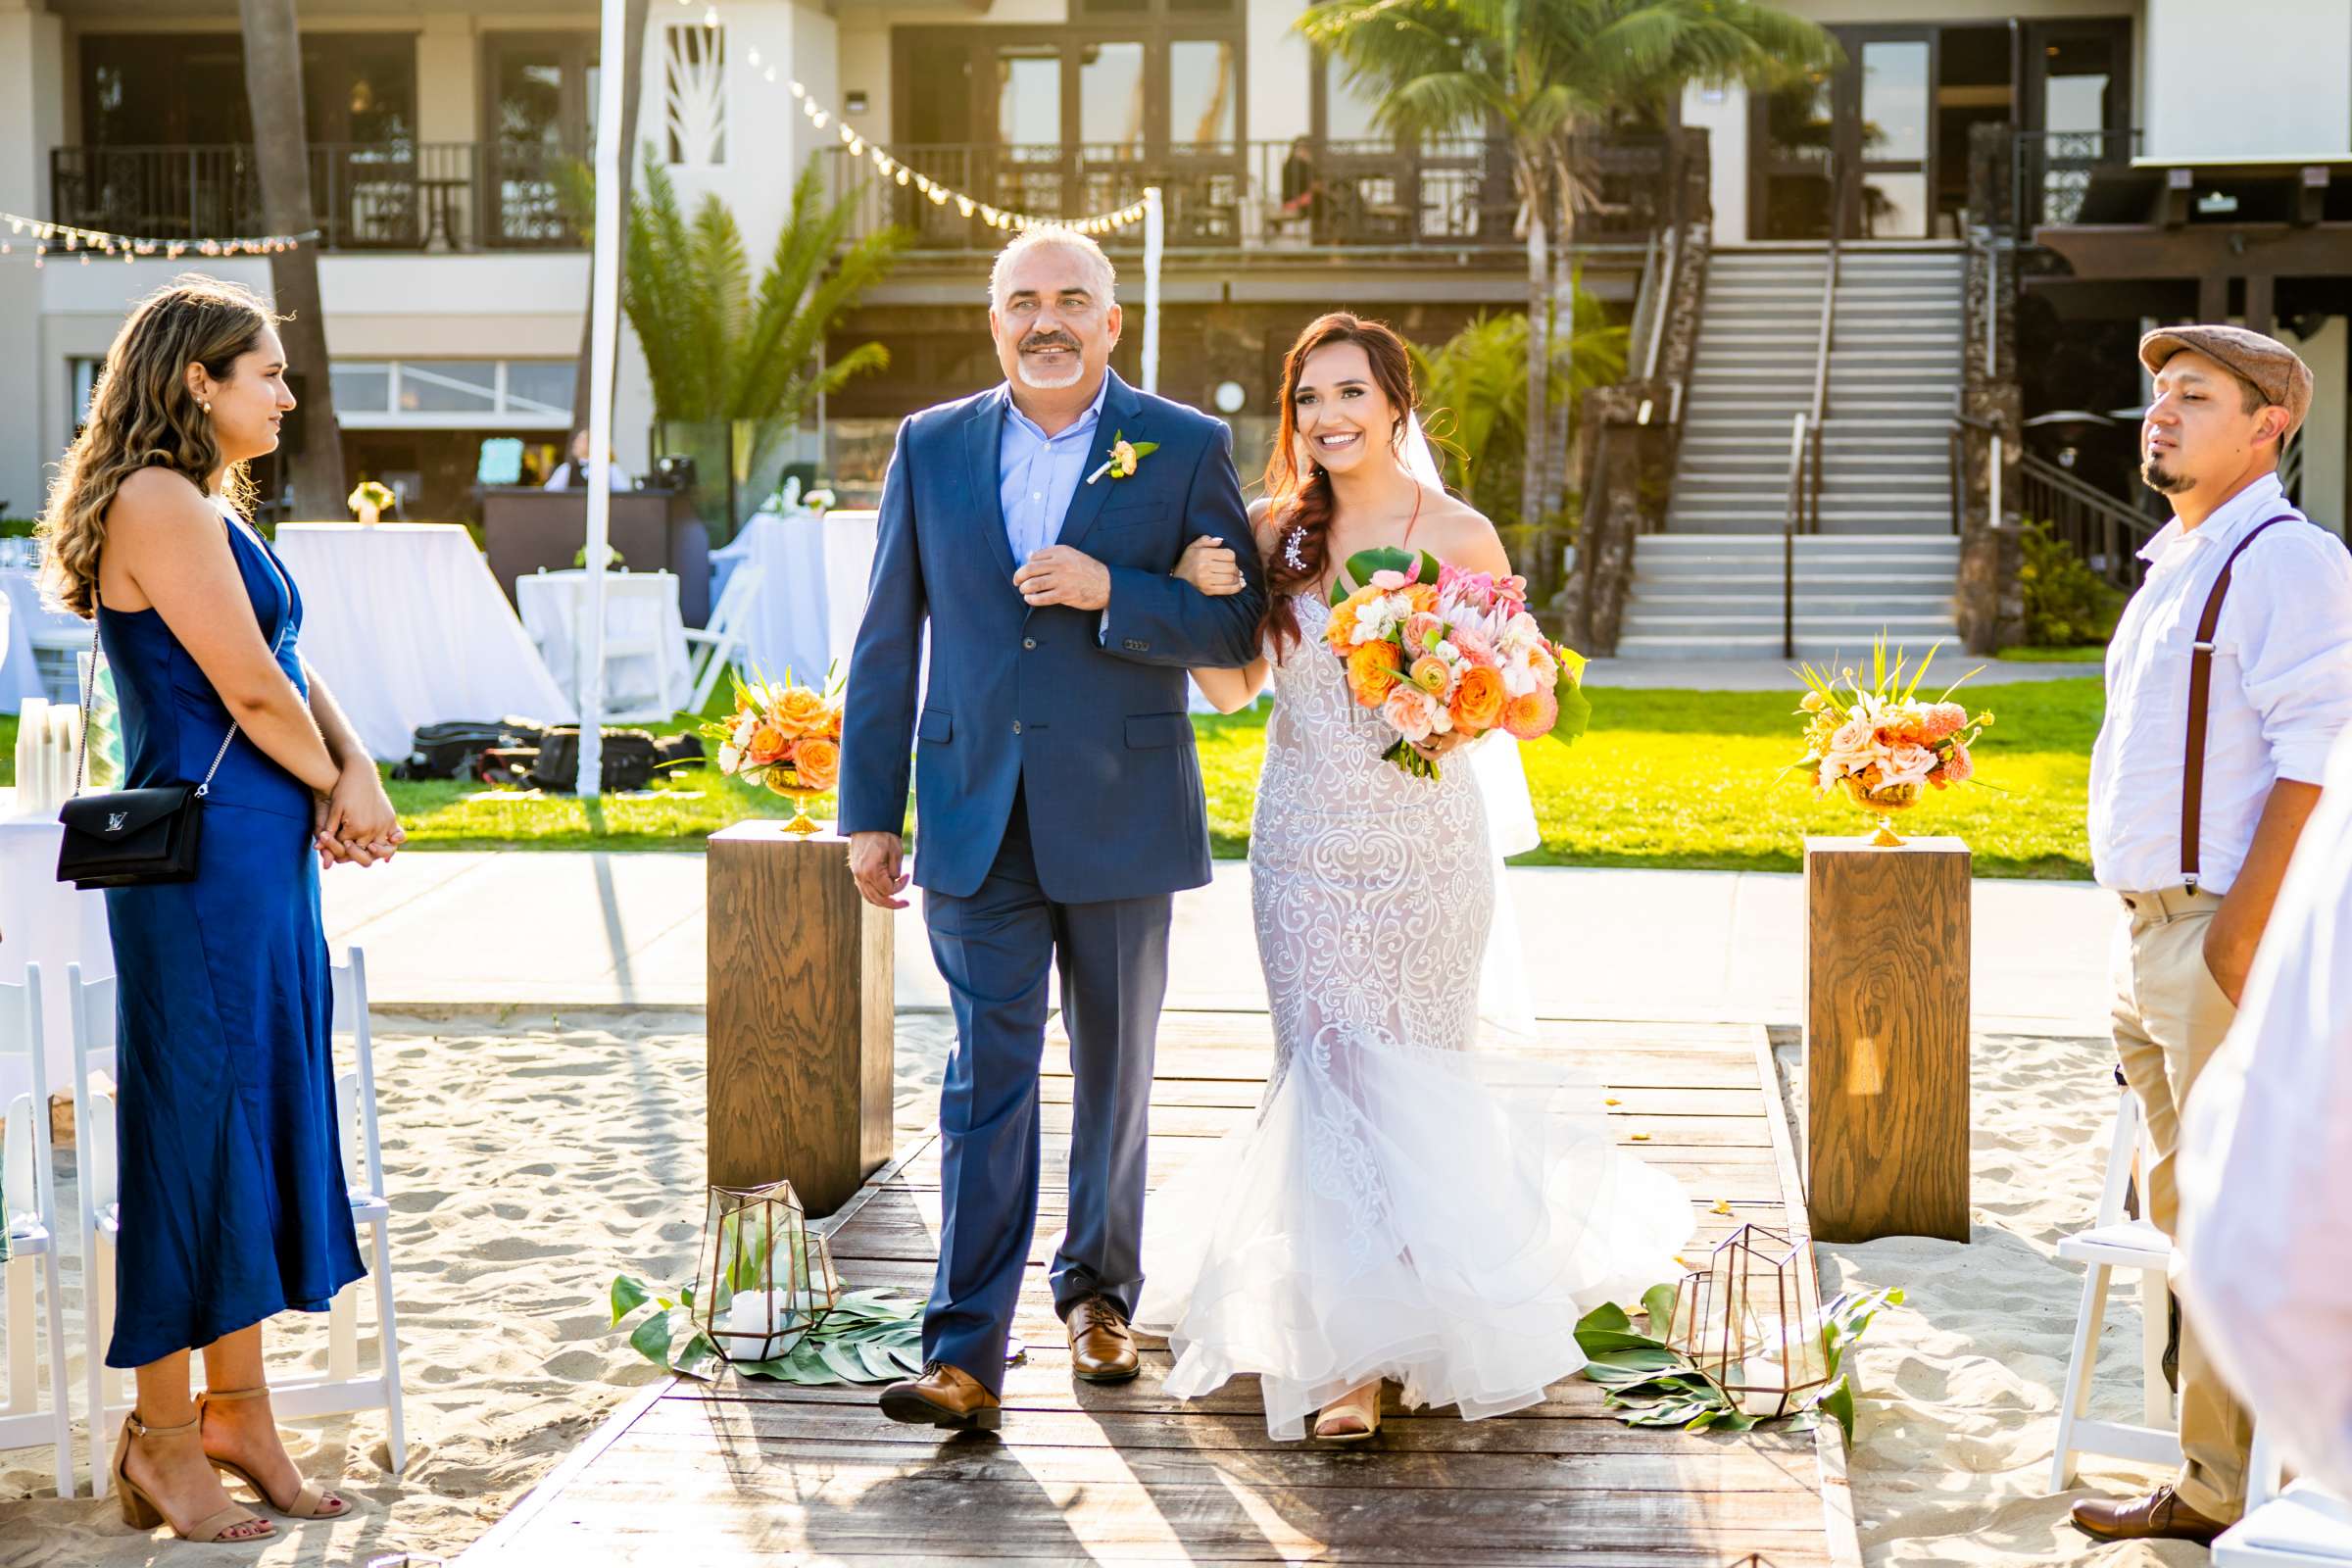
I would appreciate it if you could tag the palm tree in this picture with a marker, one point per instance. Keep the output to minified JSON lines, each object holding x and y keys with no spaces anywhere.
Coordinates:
{"x":1474,"y":389}
{"x":717,"y":352}
{"x":281,"y":152}
{"x":1547,"y":73}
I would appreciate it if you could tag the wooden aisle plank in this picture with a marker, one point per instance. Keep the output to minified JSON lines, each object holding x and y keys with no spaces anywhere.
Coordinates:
{"x":746,"y":1473}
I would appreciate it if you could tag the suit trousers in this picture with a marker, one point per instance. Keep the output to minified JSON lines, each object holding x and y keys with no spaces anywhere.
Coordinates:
{"x":2170,"y":1017}
{"x":993,"y":948}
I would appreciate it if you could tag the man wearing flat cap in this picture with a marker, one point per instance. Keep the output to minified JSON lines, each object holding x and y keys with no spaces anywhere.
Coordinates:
{"x":2227,"y":681}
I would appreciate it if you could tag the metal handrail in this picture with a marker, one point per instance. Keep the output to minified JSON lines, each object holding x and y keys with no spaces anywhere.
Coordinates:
{"x":1662,"y":306}
{"x":1788,"y":526}
{"x":1821,"y":379}
{"x":2104,"y":531}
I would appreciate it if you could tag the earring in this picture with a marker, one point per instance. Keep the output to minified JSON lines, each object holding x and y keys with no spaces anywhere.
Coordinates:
{"x":208,"y":408}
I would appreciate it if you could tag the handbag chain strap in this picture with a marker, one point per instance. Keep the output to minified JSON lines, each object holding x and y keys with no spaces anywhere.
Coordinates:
{"x":90,"y":688}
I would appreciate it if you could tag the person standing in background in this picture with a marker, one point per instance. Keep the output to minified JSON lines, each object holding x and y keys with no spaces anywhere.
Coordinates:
{"x":2228,"y":680}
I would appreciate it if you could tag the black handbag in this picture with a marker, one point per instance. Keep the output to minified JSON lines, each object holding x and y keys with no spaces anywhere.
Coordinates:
{"x":129,"y":838}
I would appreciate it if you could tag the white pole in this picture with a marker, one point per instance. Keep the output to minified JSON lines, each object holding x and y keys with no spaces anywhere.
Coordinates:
{"x":1994,"y":496}
{"x":1155,"y":236}
{"x":603,"y":320}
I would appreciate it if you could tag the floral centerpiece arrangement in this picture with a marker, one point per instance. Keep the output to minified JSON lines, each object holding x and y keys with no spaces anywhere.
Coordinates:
{"x":1442,"y":651}
{"x":1880,"y":743}
{"x":370,"y":500}
{"x":784,"y":738}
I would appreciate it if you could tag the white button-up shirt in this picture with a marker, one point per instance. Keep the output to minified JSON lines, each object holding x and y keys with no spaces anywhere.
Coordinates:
{"x":2265,"y":1158}
{"x":2282,"y":690}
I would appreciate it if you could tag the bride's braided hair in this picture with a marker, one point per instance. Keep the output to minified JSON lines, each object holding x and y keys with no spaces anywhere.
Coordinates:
{"x":1299,"y":505}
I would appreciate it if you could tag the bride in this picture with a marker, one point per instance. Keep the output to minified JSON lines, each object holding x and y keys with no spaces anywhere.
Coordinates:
{"x":1402,"y":1207}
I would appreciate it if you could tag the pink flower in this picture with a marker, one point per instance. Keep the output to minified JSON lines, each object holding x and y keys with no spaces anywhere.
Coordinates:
{"x":1958,"y":768}
{"x":1474,"y":589}
{"x":1945,"y":719}
{"x":1530,"y":718}
{"x":1423,"y":632}
{"x":1476,"y":649}
{"x":1907,"y":763}
{"x":1410,"y":712}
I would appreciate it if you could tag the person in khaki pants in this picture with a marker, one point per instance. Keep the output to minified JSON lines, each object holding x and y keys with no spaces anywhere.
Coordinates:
{"x":2227,"y":681}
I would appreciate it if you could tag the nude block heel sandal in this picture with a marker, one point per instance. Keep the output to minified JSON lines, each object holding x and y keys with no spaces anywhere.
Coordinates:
{"x":308,"y":1503}
{"x":139,"y":1510}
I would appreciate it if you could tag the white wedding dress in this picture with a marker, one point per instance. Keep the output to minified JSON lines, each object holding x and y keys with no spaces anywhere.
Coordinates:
{"x":1402,"y":1206}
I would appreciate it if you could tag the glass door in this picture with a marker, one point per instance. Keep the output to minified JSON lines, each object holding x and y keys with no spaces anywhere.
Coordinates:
{"x":1886,"y":125}
{"x":540,"y":113}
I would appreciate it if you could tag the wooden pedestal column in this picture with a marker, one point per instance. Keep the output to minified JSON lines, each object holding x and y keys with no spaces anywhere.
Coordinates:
{"x":799,"y":1017}
{"x":1886,"y":1010}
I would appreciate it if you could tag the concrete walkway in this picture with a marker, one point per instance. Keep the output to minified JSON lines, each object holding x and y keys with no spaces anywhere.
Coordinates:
{"x":549,"y":930}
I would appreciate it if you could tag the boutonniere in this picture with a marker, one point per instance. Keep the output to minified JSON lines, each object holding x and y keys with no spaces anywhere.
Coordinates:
{"x":1125,"y":456}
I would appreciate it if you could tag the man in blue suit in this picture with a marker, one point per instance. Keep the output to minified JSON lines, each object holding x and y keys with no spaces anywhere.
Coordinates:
{"x":1057,"y":783}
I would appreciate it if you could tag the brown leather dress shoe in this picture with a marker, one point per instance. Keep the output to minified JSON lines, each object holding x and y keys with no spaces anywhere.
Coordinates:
{"x":943,"y":1396}
{"x":2161,"y":1515}
{"x":1101,"y":1346}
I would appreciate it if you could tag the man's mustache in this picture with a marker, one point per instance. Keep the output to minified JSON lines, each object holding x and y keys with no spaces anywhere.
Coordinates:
{"x":1035,"y":344}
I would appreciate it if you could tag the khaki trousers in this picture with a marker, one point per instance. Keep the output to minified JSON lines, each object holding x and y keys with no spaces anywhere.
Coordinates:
{"x":2170,"y":1017}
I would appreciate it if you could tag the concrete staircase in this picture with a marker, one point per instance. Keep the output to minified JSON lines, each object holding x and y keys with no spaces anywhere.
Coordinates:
{"x":1709,"y":587}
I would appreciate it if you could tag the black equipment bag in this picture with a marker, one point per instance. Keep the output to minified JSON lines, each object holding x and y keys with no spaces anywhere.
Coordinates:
{"x":628,"y":759}
{"x":453,"y":749}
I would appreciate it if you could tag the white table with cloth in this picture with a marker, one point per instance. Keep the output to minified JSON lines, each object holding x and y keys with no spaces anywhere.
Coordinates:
{"x":47,"y":922}
{"x":640,"y":608}
{"x":406,"y":625}
{"x":31,"y":620}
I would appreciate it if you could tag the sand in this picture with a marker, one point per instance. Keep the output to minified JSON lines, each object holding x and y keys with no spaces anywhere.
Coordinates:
{"x":528,"y":1161}
{"x":1953,"y":1442}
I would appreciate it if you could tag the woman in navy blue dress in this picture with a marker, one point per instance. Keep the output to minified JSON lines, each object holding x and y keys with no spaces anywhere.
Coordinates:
{"x":233,"y":1201}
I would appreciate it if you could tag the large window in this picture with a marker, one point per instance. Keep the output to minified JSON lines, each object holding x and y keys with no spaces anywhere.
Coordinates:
{"x":453,"y":394}
{"x":188,"y":89}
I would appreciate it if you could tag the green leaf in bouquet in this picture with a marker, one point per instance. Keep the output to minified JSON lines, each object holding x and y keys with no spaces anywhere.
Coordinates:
{"x":1388,"y":558}
{"x":1575,"y":709}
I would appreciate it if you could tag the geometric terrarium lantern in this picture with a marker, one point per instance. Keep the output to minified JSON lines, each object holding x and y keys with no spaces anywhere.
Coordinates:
{"x":1752,"y":1320}
{"x":765,"y":1279}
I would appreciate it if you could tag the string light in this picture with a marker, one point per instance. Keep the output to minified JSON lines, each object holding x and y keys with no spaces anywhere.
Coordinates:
{"x":48,"y":238}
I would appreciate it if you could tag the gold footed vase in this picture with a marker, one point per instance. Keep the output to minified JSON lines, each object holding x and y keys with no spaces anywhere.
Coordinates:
{"x":1887,"y":799}
{"x":801,"y":823}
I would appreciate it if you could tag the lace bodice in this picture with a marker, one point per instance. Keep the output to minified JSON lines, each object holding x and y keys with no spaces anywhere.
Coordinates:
{"x":1373,"y":888}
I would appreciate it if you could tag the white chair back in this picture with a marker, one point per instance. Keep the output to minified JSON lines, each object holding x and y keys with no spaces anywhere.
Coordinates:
{"x":22,"y":1165}
{"x":28,"y":1216}
{"x":722,"y":639}
{"x":355,"y":1087}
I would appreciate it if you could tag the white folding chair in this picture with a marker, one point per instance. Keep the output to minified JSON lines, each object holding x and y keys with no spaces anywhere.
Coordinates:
{"x":637,"y":602}
{"x":107,"y":1390}
{"x":29,"y":1216}
{"x":2304,"y":1526}
{"x":2114,"y":1241}
{"x":721,"y":643}
{"x":344,"y":1387}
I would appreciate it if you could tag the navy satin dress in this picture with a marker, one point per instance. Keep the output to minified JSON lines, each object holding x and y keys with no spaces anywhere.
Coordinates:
{"x":233,"y":1201}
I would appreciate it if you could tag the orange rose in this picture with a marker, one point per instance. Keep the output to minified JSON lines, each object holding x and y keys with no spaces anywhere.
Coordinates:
{"x":817,"y":762}
{"x":1478,"y":700}
{"x":767,"y":743}
{"x":1372,"y":671}
{"x":798,"y":711}
{"x":1431,"y":674}
{"x":1424,"y":597}
{"x":1341,"y":633}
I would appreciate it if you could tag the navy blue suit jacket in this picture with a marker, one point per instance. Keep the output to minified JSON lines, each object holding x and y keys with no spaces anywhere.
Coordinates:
{"x":1090,"y":726}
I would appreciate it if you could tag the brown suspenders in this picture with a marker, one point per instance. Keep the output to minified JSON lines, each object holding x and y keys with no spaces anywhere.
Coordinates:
{"x":2200,"y":691}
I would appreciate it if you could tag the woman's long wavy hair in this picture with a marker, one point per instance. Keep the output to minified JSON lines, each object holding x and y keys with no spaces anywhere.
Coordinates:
{"x":1299,"y":504}
{"x":142,"y":414}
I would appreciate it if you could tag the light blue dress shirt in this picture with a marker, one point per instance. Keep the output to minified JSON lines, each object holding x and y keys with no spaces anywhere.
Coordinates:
{"x":1038,"y":473}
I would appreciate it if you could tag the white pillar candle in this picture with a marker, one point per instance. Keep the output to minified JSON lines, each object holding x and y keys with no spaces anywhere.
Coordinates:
{"x":33,"y":728}
{"x":752,"y":1334}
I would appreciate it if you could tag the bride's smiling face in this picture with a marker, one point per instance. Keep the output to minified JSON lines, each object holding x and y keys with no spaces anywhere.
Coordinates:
{"x":1343,"y":417}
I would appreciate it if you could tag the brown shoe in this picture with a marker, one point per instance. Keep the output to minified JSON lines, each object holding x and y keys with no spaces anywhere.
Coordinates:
{"x":2161,"y":1515}
{"x":1101,"y":1346}
{"x":943,"y":1396}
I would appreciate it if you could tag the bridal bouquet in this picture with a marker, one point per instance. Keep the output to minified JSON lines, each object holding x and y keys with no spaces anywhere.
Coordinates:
{"x":1880,"y":743}
{"x":1440,"y":651}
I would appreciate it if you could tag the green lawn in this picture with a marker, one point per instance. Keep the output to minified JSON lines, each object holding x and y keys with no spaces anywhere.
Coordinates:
{"x":2082,"y":654}
{"x":1664,"y":779}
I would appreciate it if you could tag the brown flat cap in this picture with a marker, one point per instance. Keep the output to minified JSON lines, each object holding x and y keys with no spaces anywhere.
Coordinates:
{"x":2276,"y":370}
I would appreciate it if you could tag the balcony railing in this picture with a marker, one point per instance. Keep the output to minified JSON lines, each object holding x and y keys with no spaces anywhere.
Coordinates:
{"x":2051,"y":171}
{"x":397,"y":196}
{"x":1451,"y":194}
